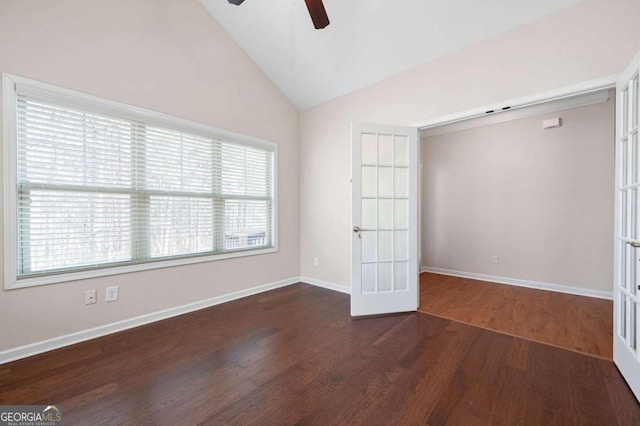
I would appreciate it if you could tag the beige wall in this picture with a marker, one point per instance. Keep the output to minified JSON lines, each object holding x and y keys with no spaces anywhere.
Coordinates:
{"x":168,"y":56}
{"x":171,"y":56}
{"x":540,"y":200}
{"x":593,"y":39}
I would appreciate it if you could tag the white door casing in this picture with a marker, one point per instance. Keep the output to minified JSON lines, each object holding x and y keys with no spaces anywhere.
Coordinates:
{"x":626,"y":311}
{"x":384,"y":239}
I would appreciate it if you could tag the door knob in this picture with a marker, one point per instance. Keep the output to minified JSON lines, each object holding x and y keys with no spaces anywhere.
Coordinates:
{"x":358,"y":229}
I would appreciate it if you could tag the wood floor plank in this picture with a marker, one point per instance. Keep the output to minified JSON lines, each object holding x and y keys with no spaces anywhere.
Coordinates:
{"x":466,"y":400}
{"x":294,"y":356}
{"x":578,"y":323}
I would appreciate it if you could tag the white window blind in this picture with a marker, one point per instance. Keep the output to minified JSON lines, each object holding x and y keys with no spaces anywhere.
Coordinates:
{"x":98,"y":189}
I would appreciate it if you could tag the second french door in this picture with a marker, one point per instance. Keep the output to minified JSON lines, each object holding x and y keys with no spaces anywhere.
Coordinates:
{"x":626,"y":333}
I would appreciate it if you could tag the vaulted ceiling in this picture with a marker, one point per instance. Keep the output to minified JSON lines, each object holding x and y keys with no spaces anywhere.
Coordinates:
{"x":367,"y":40}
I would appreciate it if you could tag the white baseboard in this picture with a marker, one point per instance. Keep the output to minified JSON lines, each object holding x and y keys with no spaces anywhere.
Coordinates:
{"x":522,"y":283}
{"x":326,"y":284}
{"x":81,"y":336}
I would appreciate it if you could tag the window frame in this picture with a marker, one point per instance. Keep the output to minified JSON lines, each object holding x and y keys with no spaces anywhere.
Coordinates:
{"x":11,"y":84}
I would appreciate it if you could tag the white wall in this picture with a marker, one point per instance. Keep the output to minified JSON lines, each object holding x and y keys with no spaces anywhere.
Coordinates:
{"x":593,"y":39}
{"x":540,"y":200}
{"x":168,"y":56}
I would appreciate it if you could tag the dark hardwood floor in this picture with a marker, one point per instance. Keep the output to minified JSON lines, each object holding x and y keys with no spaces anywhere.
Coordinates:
{"x":294,"y":356}
{"x":578,"y":323}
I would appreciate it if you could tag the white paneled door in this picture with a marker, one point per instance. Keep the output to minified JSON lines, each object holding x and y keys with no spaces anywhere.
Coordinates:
{"x":385,"y":219}
{"x":626,"y":333}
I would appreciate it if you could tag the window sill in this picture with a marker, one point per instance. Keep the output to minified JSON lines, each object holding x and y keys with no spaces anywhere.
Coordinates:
{"x":12,"y":284}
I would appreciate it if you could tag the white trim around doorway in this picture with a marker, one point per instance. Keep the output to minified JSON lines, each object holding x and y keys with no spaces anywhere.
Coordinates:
{"x":608,"y":82}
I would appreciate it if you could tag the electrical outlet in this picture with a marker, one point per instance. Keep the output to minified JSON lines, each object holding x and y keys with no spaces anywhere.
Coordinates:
{"x":316,"y":261}
{"x":495,"y":260}
{"x":111,"y":294}
{"x":90,"y":297}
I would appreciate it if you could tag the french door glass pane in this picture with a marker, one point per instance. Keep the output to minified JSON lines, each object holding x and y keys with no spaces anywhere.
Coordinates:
{"x":401,"y":214}
{"x":401,"y":276}
{"x":632,"y":265}
{"x":623,"y":213}
{"x":633,"y":261}
{"x":369,"y":246}
{"x":623,"y":264}
{"x":625,"y":111}
{"x":385,"y":276}
{"x":630,"y":162}
{"x":369,"y":182}
{"x":369,"y":277}
{"x":401,"y":151}
{"x":632,"y":324}
{"x":385,"y":214}
{"x":623,"y":163}
{"x":635,"y":102}
{"x":631,"y":216}
{"x":369,"y":149}
{"x":637,"y":328}
{"x":385,"y":181}
{"x":623,"y":316}
{"x":385,"y":245}
{"x":401,"y":245}
{"x":401,"y":183}
{"x":385,"y":150}
{"x":369,"y":214}
{"x":629,"y":250}
{"x":633,"y":160}
{"x":636,"y":158}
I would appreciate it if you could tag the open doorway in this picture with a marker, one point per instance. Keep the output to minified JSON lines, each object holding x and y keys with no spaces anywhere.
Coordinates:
{"x":524,"y":197}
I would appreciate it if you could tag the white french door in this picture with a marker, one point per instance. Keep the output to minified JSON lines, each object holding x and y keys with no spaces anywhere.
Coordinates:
{"x":385,"y":219}
{"x":626,"y":333}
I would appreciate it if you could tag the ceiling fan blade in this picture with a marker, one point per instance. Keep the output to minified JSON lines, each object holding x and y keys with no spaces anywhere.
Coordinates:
{"x":317,"y":12}
{"x":236,"y":2}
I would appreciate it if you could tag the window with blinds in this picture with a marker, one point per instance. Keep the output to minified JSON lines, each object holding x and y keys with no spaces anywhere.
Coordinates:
{"x":97,"y":188}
